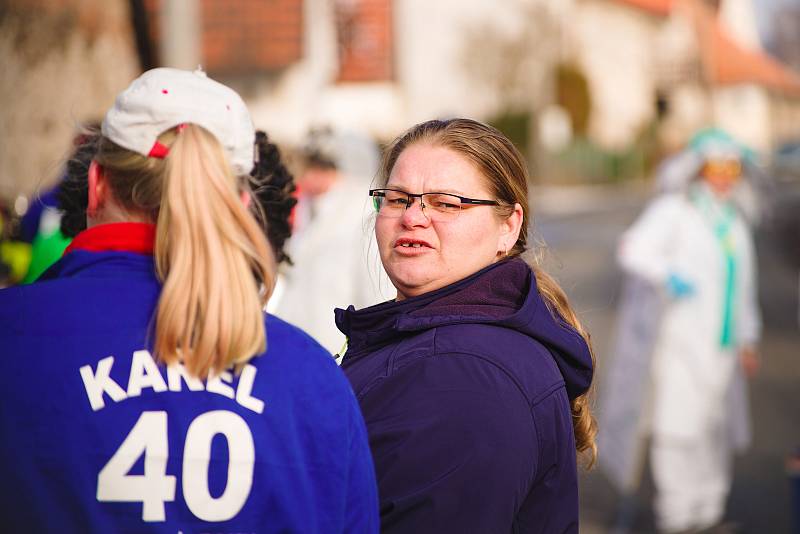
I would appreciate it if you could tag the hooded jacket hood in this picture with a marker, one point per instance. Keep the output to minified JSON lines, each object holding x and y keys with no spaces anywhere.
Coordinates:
{"x":503,"y":294}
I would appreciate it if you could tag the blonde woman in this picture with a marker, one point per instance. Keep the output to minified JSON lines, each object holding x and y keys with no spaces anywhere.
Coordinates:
{"x":142,"y":387}
{"x":473,"y":381}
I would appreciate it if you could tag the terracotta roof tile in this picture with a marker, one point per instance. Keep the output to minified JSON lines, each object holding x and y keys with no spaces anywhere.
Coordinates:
{"x":734,"y":64}
{"x":658,"y":7}
{"x":240,"y":36}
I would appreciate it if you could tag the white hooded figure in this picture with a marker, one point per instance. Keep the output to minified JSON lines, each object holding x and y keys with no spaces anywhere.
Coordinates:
{"x":688,"y":327}
{"x":335,"y":261}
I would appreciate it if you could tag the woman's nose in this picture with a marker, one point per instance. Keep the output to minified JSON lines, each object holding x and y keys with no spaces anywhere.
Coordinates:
{"x":414,"y":214}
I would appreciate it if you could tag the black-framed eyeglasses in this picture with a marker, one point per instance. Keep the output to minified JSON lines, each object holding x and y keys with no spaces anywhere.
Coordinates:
{"x":437,"y":207}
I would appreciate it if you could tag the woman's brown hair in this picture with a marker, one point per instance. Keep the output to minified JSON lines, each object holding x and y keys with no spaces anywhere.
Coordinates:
{"x":506,"y":173}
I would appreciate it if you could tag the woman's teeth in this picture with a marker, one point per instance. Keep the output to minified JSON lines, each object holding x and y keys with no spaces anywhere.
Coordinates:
{"x":414,"y":245}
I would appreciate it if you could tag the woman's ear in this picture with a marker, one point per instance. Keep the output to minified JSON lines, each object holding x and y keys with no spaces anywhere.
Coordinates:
{"x":511,"y":228}
{"x":96,"y":188}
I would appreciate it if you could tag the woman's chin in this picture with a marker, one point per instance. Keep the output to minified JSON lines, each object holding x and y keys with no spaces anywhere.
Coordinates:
{"x":412,"y":284}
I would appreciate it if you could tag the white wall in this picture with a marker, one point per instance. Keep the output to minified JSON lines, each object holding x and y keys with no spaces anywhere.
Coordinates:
{"x":438,"y":44}
{"x":739,"y":18}
{"x":614,"y":46}
{"x":45,"y":100}
{"x":690,"y":110}
{"x":744,"y":111}
{"x":437,"y":41}
{"x":432,"y":78}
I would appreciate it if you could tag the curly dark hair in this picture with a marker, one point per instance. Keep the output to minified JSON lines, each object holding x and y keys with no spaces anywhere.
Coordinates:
{"x":73,"y":192}
{"x":273,"y":185}
{"x":271,"y":182}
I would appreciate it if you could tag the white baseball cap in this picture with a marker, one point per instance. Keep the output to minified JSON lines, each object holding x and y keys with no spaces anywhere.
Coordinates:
{"x":163,"y":98}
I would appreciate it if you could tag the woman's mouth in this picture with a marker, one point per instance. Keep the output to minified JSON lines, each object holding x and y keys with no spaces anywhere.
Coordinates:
{"x":411,"y":246}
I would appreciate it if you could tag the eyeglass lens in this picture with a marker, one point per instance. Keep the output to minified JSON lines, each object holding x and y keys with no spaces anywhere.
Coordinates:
{"x":435,"y":206}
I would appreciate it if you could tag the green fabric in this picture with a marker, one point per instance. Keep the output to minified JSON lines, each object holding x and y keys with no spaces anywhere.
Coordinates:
{"x":45,"y":251}
{"x":721,"y":216}
{"x":726,"y":337}
{"x":714,"y":139}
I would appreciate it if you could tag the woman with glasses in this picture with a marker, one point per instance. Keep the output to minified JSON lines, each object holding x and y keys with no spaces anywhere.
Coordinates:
{"x":473,"y":381}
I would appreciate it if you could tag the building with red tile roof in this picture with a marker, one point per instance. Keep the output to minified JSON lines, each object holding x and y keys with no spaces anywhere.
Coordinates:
{"x":727,"y":62}
{"x":682,"y":64}
{"x":348,"y":54}
{"x":377,"y":66}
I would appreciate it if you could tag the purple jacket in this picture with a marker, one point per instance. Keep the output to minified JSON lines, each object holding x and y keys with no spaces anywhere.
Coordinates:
{"x":465,"y":392}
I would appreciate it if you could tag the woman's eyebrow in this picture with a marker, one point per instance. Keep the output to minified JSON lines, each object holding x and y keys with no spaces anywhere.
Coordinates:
{"x":395,"y":187}
{"x":446,"y":190}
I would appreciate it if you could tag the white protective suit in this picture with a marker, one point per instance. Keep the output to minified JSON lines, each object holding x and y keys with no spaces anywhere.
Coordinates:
{"x":698,"y":405}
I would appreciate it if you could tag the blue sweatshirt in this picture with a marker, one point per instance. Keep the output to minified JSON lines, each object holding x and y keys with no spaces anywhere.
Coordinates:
{"x":466,"y":394}
{"x":97,"y":436}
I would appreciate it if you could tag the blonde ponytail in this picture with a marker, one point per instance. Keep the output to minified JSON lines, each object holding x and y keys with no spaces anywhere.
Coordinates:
{"x":212,"y":258}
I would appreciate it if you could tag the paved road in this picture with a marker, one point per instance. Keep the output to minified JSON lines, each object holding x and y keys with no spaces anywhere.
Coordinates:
{"x":581,"y":228}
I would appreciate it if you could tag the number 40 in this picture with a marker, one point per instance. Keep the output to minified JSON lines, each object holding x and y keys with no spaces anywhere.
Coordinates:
{"x":149,"y":437}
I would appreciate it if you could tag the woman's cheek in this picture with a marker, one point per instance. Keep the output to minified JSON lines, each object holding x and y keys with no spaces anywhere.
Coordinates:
{"x":381,"y":235}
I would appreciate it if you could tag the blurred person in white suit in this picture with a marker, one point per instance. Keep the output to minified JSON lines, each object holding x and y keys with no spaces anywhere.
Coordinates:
{"x":693,"y":247}
{"x":334,"y":258}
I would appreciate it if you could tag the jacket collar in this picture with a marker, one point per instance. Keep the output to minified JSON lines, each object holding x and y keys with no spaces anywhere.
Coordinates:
{"x":116,"y":237}
{"x":107,"y":250}
{"x":379,"y":323}
{"x":503,"y":294}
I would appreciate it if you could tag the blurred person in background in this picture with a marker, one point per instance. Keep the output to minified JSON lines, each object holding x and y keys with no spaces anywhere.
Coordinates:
{"x":41,"y":224}
{"x":329,"y":246}
{"x":692,"y":334}
{"x":15,"y":253}
{"x":5,"y":263}
{"x":473,"y":381}
{"x":143,"y":387}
